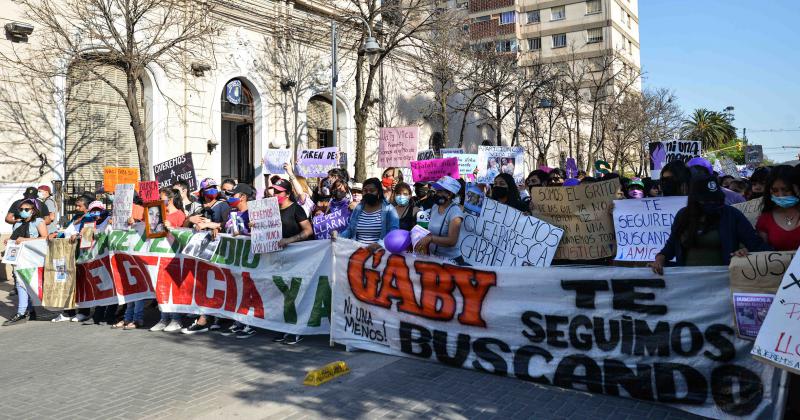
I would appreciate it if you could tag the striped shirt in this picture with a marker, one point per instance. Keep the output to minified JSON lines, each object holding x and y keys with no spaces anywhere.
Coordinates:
{"x":368,"y":229}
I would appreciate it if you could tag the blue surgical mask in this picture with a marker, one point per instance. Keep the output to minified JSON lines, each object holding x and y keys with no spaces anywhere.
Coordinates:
{"x":25,"y":214}
{"x":402,"y":200}
{"x":786,"y":201}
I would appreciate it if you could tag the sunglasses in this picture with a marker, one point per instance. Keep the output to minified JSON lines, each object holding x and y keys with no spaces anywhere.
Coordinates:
{"x":26,"y":208}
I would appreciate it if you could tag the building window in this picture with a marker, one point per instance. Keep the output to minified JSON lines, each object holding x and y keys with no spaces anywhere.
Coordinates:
{"x":625,"y":18}
{"x":558,"y":13}
{"x":594,"y":36}
{"x":559,"y":40}
{"x":534,"y":44}
{"x":482,"y":18}
{"x":507,"y":18}
{"x":593,"y":6}
{"x":533,"y":17}
{"x":629,"y":20}
{"x":597,"y":64}
{"x":630,"y":47}
{"x":506,"y":45}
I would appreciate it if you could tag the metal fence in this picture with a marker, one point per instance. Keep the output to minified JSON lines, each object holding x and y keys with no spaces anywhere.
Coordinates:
{"x":73,"y":189}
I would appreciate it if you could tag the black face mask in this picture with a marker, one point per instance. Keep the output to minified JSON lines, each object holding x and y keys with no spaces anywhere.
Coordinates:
{"x":756,"y":195}
{"x":371,"y":199}
{"x":340,"y":195}
{"x":440,"y":200}
{"x":421,"y":193}
{"x":499,"y":192}
{"x":670,"y":187}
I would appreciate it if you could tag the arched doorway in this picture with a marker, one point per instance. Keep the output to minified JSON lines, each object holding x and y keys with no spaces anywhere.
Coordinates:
{"x":237,"y":132}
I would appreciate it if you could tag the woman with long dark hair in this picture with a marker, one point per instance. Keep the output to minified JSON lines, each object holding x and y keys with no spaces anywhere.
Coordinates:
{"x":779,"y":223}
{"x":505,"y":190}
{"x":373,"y":218}
{"x":707,"y":232}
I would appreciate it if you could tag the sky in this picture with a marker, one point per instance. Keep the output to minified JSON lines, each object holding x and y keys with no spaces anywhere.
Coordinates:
{"x":719,"y":53}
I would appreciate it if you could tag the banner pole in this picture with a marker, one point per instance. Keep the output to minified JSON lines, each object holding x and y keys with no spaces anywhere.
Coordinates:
{"x":780,"y":401}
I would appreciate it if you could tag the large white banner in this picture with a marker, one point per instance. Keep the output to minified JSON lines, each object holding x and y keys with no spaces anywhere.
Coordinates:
{"x":643,"y":226}
{"x":615,"y":331}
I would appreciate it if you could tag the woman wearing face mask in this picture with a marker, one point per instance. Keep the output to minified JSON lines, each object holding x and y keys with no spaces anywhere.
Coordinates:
{"x":505,"y":191}
{"x":404,"y":207}
{"x":707,"y":232}
{"x":29,"y":226}
{"x":294,"y":221}
{"x":341,"y":198}
{"x":758,"y":183}
{"x":635,"y":189}
{"x":445,"y":224}
{"x":675,"y":178}
{"x":214,"y":213}
{"x":391,"y":177}
{"x":373,"y":218}
{"x":779,"y":223}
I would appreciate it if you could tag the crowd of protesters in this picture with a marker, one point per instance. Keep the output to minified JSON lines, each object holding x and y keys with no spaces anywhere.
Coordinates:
{"x":708,"y":231}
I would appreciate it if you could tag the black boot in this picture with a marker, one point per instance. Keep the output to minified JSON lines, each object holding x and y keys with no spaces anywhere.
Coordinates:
{"x":32,"y":315}
{"x":16,"y":319}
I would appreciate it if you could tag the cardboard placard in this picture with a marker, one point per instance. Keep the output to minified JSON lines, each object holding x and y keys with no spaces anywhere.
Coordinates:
{"x":113,"y":175}
{"x":180,"y":168}
{"x":325,"y":224}
{"x":493,"y":160}
{"x":778,"y":340}
{"x":123,"y":206}
{"x":267,"y":229}
{"x":58,"y":284}
{"x":759,"y":272}
{"x":643,"y":226}
{"x":274,"y":159}
{"x":148,"y":191}
{"x":398,"y":146}
{"x":683,"y":150}
{"x":751,"y":209}
{"x":467,"y":162}
{"x":584,"y":212}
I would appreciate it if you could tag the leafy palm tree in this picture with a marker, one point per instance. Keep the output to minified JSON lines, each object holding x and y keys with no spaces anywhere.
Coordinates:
{"x":711,"y":128}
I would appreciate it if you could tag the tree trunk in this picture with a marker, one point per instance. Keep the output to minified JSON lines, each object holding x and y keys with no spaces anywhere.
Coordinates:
{"x":361,"y":142}
{"x":498,"y":129}
{"x":139,"y":134}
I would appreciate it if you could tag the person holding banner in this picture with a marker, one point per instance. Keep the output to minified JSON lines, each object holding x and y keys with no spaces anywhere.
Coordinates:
{"x":239,"y":221}
{"x":707,"y":232}
{"x":373,"y":218}
{"x":174,"y":205}
{"x":294,"y":221}
{"x":341,"y":198}
{"x":779,"y":223}
{"x":190,"y":205}
{"x":28,"y":227}
{"x":404,"y":207}
{"x":505,"y":191}
{"x":214,"y":212}
{"x":445,"y":224}
{"x":73,"y":228}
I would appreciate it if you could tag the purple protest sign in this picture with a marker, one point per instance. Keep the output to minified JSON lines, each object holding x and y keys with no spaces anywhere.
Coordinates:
{"x":398,"y":146}
{"x":432,"y":170}
{"x":315,"y":163}
{"x":572,"y":168}
{"x":325,"y":224}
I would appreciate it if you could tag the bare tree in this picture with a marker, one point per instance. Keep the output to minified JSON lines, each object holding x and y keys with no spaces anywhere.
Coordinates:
{"x":128,"y":34}
{"x":497,"y":81}
{"x":542,"y":120}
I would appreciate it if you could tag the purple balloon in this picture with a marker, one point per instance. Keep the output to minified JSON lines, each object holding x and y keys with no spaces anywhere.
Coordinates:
{"x":572,"y":182}
{"x":397,"y":241}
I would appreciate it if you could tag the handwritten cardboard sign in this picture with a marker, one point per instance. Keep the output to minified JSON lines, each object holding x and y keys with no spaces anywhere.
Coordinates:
{"x":398,"y":146}
{"x":753,"y":155}
{"x":504,"y":236}
{"x":325,"y":224}
{"x":274,"y":159}
{"x":148,"y":191}
{"x":584,"y":212}
{"x":759,"y":272}
{"x":494,"y":160}
{"x":267,"y":228}
{"x":432,"y":170}
{"x":123,"y":206}
{"x":315,"y":163}
{"x":751,"y":209}
{"x":643,"y":226}
{"x":778,"y":339}
{"x":180,"y":168}
{"x":113,"y":175}
{"x":467,"y":162}
{"x":729,"y":168}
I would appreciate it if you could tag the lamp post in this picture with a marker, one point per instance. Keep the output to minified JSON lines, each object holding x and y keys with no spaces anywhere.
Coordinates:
{"x":371,"y":49}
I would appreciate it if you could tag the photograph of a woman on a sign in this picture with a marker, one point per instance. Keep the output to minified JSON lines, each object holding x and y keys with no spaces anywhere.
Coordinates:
{"x":154,"y":218}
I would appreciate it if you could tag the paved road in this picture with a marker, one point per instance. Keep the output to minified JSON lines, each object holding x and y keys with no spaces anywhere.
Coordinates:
{"x":73,"y":371}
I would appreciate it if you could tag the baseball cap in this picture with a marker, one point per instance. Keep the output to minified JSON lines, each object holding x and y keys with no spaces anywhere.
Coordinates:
{"x":208,"y":182}
{"x":283,"y":185}
{"x":45,"y":188}
{"x":447,"y":183}
{"x":636,"y":182}
{"x":706,"y":190}
{"x":96,"y":205}
{"x":244,"y":189}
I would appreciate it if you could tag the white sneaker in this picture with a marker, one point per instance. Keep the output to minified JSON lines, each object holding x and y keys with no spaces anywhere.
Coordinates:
{"x":159,"y":327}
{"x":79,"y":318}
{"x":60,"y":318}
{"x":173,"y":326}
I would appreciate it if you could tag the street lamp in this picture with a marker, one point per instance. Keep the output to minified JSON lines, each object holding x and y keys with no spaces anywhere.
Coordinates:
{"x":371,"y":48}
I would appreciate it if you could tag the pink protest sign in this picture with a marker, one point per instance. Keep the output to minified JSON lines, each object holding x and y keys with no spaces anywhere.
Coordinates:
{"x":398,"y":146}
{"x":432,"y":170}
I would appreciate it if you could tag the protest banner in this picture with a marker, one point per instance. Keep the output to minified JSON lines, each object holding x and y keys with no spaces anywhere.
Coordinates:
{"x":325,"y":224}
{"x":29,"y":267}
{"x":729,"y":168}
{"x":451,"y":151}
{"x":432,"y":170}
{"x":426,"y":154}
{"x":503,"y":236}
{"x":778,"y":340}
{"x":148,"y":191}
{"x":467,"y":162}
{"x":202,"y":246}
{"x":11,"y":254}
{"x":274,"y":159}
{"x":616,"y":331}
{"x":683,"y":150}
{"x":315,"y":163}
{"x":58,"y":283}
{"x":114,"y":175}
{"x":749,"y":312}
{"x":759,"y":272}
{"x":287,"y":291}
{"x":265,"y":214}
{"x":642,"y":226}
{"x":751,"y":209}
{"x":584,"y":212}
{"x":658,"y":157}
{"x":180,"y":168}
{"x":753,"y":155}
{"x":123,"y":206}
{"x":493,"y":160}
{"x":397,"y":146}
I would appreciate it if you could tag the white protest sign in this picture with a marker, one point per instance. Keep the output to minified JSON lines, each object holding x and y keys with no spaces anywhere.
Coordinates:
{"x":504,"y":236}
{"x":751,"y":209}
{"x":267,"y":231}
{"x":123,"y":206}
{"x":11,"y":254}
{"x":778,"y":340}
{"x":642,"y":226}
{"x":494,"y":160}
{"x":729,"y":168}
{"x":274,"y":159}
{"x":683,"y":150}
{"x":315,"y":163}
{"x":451,"y":151}
{"x":467,"y":162}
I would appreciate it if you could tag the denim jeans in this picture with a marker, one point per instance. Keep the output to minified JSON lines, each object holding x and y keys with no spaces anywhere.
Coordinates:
{"x":134,"y":311}
{"x":22,"y":296}
{"x":171,"y":316}
{"x":107,"y":314}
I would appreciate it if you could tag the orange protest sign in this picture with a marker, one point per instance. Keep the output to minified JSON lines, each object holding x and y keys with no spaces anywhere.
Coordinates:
{"x":113,"y":175}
